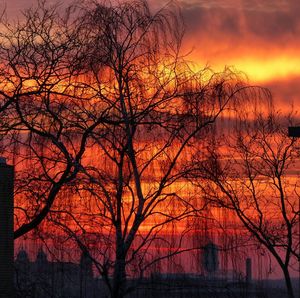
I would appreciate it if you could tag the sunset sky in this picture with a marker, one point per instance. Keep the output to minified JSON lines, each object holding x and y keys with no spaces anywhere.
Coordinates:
{"x":258,"y":37}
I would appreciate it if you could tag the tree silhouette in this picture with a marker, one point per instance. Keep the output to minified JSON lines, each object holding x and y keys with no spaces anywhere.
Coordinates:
{"x":100,"y":111}
{"x":46,"y":108}
{"x":253,"y":177}
{"x":160,"y":108}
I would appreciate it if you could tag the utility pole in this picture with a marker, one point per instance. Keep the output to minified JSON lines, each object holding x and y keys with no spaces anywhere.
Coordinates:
{"x":6,"y":230}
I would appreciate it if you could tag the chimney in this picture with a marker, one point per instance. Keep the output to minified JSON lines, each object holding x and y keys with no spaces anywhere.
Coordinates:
{"x":248,"y":271}
{"x":6,"y":230}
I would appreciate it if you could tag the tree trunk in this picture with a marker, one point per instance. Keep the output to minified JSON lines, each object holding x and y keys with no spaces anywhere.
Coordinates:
{"x":288,"y":282}
{"x":119,"y":277}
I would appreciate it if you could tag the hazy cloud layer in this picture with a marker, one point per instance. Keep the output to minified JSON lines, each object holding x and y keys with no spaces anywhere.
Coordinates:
{"x":256,"y":36}
{"x":286,"y":94}
{"x":265,"y":19}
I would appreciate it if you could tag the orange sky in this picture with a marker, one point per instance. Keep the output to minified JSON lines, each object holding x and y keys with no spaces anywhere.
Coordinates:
{"x":258,"y":37}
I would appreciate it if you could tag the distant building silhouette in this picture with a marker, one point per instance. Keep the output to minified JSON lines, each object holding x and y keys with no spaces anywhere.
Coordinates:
{"x":210,"y":257}
{"x":44,"y":278}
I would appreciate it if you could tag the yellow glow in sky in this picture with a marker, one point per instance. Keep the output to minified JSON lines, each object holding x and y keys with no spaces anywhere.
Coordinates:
{"x":260,"y":70}
{"x":273,"y":68}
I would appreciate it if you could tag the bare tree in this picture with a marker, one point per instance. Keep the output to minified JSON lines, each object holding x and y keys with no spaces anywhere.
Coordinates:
{"x":253,"y":174}
{"x":133,"y":188}
{"x":46,"y":107}
{"x":100,"y":104}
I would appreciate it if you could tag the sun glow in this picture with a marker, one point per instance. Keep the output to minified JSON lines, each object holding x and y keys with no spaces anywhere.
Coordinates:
{"x":273,"y":68}
{"x":260,"y":70}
